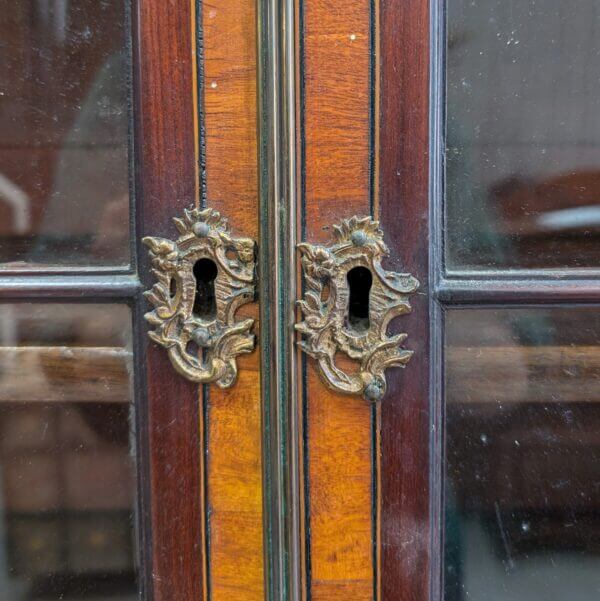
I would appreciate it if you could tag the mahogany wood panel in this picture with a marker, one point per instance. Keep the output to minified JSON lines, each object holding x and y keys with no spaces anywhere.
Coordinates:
{"x":403,"y":197}
{"x":167,"y":182}
{"x":229,"y":119}
{"x":336,"y":125}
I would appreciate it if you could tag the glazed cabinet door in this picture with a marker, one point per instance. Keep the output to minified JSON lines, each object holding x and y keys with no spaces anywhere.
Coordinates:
{"x":434,"y":162}
{"x":130,"y":466}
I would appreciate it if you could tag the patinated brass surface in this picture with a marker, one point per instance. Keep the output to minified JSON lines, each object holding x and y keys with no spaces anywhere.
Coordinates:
{"x":218,"y":340}
{"x":357,"y":242}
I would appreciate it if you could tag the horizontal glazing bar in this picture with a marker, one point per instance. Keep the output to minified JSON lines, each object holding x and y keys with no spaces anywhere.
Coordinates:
{"x":494,"y":291}
{"x":85,"y":287}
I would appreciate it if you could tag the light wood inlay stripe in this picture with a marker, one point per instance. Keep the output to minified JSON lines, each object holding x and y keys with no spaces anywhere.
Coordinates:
{"x":337,"y":145}
{"x":234,"y":465}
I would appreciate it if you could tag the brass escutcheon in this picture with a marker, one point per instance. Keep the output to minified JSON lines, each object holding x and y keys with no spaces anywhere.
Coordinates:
{"x":326,"y":325}
{"x":202,"y":344}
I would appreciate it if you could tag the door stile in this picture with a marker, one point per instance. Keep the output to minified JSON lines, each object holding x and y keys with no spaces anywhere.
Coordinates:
{"x":167,"y":170}
{"x":404,"y":209}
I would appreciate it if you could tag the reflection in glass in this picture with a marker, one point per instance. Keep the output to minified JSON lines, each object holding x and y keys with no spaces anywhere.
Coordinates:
{"x":523,"y":137}
{"x":66,"y":468}
{"x":522,"y":482}
{"x":63,"y":147}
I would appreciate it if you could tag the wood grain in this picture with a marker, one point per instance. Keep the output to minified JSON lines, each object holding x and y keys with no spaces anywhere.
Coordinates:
{"x":336,"y":112}
{"x":235,"y":489}
{"x":234,"y":417}
{"x":230,"y":111}
{"x":166,"y":183}
{"x":404,"y":211}
{"x":336,"y":128}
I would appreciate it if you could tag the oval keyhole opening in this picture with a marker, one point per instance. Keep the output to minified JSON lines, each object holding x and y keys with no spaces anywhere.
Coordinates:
{"x":205,"y":304}
{"x":360,"y":281}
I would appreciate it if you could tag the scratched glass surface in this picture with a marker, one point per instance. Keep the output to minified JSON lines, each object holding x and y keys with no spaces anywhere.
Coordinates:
{"x":67,"y":484}
{"x":523,"y":134}
{"x":64,"y":74}
{"x":522,"y":484}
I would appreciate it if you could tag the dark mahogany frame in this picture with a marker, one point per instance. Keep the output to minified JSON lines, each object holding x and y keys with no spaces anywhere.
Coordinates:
{"x":167,"y":170}
{"x":404,"y":184}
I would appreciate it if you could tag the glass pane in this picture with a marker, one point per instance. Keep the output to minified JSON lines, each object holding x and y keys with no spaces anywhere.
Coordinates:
{"x":67,"y":484}
{"x":522,"y":483}
{"x":64,"y":75}
{"x":523,"y":136}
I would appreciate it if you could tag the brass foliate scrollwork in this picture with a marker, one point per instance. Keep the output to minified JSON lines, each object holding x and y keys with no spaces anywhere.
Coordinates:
{"x":202,"y":347}
{"x":358,"y":242}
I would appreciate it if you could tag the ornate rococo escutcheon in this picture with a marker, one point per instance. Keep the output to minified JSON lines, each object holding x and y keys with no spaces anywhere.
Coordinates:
{"x":204,"y":347}
{"x":358,"y":242}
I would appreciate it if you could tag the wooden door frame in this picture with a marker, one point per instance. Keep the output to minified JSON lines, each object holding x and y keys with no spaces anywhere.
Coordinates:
{"x":167,"y":159}
{"x":407,"y":546}
{"x":170,"y":425}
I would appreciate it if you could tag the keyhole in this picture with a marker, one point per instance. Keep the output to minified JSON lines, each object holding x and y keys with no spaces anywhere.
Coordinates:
{"x":360,"y":281}
{"x":205,"y":304}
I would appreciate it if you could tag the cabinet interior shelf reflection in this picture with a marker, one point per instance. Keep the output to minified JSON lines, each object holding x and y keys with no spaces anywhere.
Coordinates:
{"x":65,"y":374}
{"x":518,"y":374}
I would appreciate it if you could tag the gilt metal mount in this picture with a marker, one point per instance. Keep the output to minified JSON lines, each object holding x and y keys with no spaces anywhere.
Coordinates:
{"x":202,"y":346}
{"x":327,"y":329}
